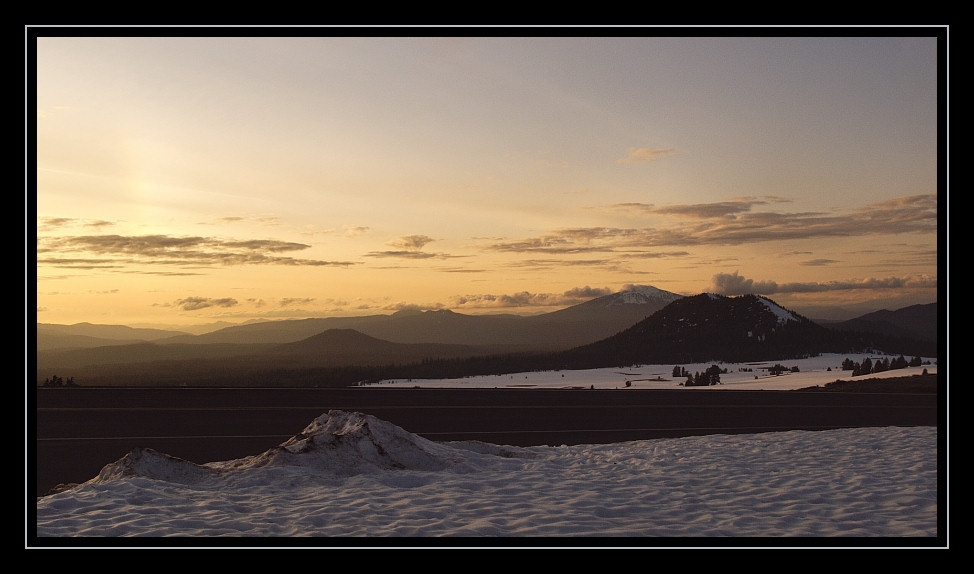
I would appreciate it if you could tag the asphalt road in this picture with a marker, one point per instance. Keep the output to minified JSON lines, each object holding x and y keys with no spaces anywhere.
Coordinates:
{"x":79,"y":430}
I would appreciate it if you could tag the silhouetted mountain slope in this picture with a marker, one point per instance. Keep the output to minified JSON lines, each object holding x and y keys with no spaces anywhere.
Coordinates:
{"x":916,"y":321}
{"x":337,"y":347}
{"x":448,"y":327}
{"x":61,"y":341}
{"x":108,"y":331}
{"x":142,"y":352}
{"x":86,"y":335}
{"x":277,"y":332}
{"x":332,"y":347}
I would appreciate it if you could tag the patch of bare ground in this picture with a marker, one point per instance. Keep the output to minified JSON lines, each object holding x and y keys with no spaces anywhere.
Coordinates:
{"x":911,"y":384}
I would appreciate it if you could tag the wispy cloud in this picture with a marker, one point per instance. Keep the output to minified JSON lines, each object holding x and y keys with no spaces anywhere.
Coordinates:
{"x":817,"y":262}
{"x":553,"y":263}
{"x":655,"y":254}
{"x":400,"y":306}
{"x":790,"y":253}
{"x":170,"y":250}
{"x":355,"y":230}
{"x":45,"y":224}
{"x":735,"y":223}
{"x":231,"y":219}
{"x":79,"y":263}
{"x":573,"y":296}
{"x":735,"y":284}
{"x":646,"y":155}
{"x":290,"y":301}
{"x":410,"y":247}
{"x":589,"y":292}
{"x":412,"y":242}
{"x":166,"y":273}
{"x":197,"y":303}
{"x":405,"y":254}
{"x":460,"y":270}
{"x":564,"y":241}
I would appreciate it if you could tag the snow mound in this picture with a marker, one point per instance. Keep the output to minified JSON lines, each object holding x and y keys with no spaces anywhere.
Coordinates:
{"x":149,"y":463}
{"x":349,"y":443}
{"x":336,"y":444}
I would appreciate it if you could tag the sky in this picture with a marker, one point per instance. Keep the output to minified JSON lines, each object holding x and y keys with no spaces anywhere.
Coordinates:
{"x":260,"y":173}
{"x":352,"y":480}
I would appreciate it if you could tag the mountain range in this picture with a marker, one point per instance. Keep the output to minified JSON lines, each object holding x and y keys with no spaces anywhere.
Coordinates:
{"x":641,"y":324}
{"x":566,"y":328}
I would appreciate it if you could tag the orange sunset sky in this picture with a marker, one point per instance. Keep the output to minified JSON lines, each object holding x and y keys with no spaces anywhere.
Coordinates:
{"x":219,"y":175}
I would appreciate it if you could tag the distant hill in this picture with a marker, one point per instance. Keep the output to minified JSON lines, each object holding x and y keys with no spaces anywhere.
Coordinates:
{"x":120,"y":332}
{"x":135,"y":352}
{"x":917,"y":321}
{"x":337,"y":347}
{"x":87,"y":335}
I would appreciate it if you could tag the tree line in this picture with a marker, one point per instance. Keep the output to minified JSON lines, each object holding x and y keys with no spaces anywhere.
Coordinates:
{"x":880,"y":365}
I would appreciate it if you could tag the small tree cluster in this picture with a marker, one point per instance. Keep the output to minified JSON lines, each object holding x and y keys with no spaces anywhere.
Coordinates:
{"x":709,"y":377}
{"x":778,"y":368}
{"x":57,"y":381}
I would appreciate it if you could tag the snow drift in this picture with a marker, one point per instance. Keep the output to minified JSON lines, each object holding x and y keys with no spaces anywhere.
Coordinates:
{"x":337,"y":443}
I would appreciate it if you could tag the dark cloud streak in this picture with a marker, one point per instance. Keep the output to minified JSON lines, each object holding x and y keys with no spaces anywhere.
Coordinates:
{"x":406,"y":254}
{"x":197,"y":303}
{"x":178,"y":251}
{"x":733,"y":223}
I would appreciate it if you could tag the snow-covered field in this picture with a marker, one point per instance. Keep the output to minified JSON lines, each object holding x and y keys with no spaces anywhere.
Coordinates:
{"x":813,"y":371}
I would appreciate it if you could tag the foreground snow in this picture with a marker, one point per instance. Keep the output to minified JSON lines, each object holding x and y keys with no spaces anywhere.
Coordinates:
{"x":352,"y":475}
